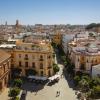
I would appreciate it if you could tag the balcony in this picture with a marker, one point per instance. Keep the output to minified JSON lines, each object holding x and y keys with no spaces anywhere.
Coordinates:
{"x":41,"y":59}
{"x":25,"y":58}
{"x":49,"y":67}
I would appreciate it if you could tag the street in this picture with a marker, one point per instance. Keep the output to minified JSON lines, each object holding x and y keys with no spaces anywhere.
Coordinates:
{"x":40,"y":92}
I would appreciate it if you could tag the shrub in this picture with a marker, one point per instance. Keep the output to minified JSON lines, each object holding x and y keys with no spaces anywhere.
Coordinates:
{"x":55,"y":68}
{"x":96,"y":90}
{"x":18,"y":83}
{"x":84,"y":85}
{"x":94,"y":82}
{"x":14,"y":92}
{"x":86,"y":77}
{"x":76,"y":80}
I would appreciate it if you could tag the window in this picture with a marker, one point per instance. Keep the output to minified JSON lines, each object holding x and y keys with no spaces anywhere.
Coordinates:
{"x":78,"y":59}
{"x":26,"y":64}
{"x":41,"y":65}
{"x":41,"y":73}
{"x":20,"y":63}
{"x":19,"y":55}
{"x":49,"y":73}
{"x":49,"y":57}
{"x":26,"y":57}
{"x":87,"y":60}
{"x":33,"y":64}
{"x":41,"y":57}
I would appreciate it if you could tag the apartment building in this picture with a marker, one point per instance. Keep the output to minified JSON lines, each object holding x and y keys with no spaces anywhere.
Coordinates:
{"x":84,"y":55}
{"x":33,"y":58}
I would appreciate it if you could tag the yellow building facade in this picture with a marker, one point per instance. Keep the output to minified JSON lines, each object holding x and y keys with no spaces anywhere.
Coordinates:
{"x":35,"y":56}
{"x":84,"y":57}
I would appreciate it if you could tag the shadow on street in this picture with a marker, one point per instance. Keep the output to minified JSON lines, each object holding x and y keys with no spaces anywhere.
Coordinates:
{"x":69,"y":80}
{"x":67,"y":77}
{"x":32,"y":87}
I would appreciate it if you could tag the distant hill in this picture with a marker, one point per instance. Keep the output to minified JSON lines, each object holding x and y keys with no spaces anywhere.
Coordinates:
{"x":93,"y":25}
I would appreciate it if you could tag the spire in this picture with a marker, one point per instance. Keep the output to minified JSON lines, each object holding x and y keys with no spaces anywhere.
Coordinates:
{"x":17,"y":23}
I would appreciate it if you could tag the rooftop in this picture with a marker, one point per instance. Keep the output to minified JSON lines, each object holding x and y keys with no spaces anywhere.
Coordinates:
{"x":36,"y":46}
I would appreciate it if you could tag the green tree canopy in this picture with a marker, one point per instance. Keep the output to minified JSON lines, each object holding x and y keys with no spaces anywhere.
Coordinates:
{"x":14,"y":92}
{"x":18,"y":82}
{"x":55,"y":68}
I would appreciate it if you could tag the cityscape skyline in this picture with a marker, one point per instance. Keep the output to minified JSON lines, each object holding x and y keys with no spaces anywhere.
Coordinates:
{"x":49,"y":11}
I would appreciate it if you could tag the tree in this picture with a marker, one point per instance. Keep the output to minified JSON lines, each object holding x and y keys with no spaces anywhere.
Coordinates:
{"x":86,"y":77}
{"x":65,"y":63}
{"x":55,"y":68}
{"x":76,"y":80}
{"x":94,"y":82}
{"x":14,"y":92}
{"x":18,"y":82}
{"x":96,"y":90}
{"x":63,"y":58}
{"x":70,"y":69}
{"x":90,"y":26}
{"x":93,"y":25}
{"x":84,"y":85}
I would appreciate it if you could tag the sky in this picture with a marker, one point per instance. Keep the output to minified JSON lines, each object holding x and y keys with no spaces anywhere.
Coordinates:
{"x":50,"y":11}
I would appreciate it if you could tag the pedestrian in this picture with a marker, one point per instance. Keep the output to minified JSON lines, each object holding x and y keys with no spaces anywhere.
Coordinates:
{"x":62,"y":75}
{"x":57,"y":94}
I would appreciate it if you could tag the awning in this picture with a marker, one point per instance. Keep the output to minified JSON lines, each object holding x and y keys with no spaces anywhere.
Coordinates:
{"x":38,"y":78}
{"x":54,"y":77}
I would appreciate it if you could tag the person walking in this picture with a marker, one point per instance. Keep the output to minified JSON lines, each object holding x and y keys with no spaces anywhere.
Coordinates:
{"x":57,"y":94}
{"x":62,"y":75}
